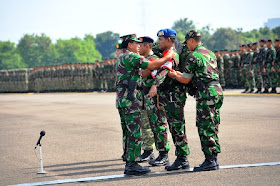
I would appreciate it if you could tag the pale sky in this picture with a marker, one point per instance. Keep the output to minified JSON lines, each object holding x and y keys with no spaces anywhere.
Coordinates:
{"x":66,"y":19}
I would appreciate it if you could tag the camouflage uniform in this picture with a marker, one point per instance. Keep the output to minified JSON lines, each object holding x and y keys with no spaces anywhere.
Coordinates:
{"x":220,"y":61}
{"x":202,"y":68}
{"x":257,"y":69}
{"x":270,"y":78}
{"x":151,"y":116}
{"x":226,"y":59}
{"x":128,"y":66}
{"x":277,"y":63}
{"x":172,"y":96}
{"x":250,"y":78}
{"x":243,"y":69}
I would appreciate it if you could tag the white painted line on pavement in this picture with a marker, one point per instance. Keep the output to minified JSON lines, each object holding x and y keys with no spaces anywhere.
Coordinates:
{"x":100,"y":178}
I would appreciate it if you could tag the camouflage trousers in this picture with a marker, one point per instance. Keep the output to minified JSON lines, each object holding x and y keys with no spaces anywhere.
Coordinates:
{"x":158,"y":123}
{"x":258,"y":77}
{"x":270,"y":78}
{"x":131,"y":127}
{"x":248,"y":77}
{"x":233,"y":76}
{"x":208,"y":104}
{"x":175,"y":117}
{"x":147,"y":133}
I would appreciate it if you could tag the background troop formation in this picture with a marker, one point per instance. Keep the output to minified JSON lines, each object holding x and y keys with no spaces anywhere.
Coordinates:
{"x":98,"y":76}
{"x":255,"y":66}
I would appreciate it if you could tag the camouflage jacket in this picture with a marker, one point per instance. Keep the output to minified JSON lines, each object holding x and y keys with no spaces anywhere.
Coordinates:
{"x":128,"y":68}
{"x":202,"y":67}
{"x":255,"y":57}
{"x":149,"y":81}
{"x":243,"y":58}
{"x":277,"y":59}
{"x":167,"y":85}
{"x":270,"y":56}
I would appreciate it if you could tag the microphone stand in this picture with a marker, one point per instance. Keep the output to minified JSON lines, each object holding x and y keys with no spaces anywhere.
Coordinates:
{"x":41,"y":162}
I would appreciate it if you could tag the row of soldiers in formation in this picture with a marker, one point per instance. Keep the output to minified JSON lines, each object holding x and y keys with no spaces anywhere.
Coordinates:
{"x":98,"y":76}
{"x":251,"y":67}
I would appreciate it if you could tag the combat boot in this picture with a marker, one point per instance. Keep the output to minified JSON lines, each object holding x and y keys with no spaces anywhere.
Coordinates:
{"x":258,"y":91}
{"x":251,"y":91}
{"x":210,"y":163}
{"x":148,"y":155}
{"x":161,"y":160}
{"x":265,"y":90}
{"x":133,"y":168}
{"x":123,"y":157}
{"x":179,"y":163}
{"x":273,"y":90}
{"x":245,"y":90}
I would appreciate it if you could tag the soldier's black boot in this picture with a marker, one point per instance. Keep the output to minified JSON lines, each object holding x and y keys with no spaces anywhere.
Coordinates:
{"x":123,"y":157}
{"x":273,"y":90}
{"x":258,"y":91}
{"x":179,"y":163}
{"x":265,"y":90}
{"x":133,"y":168}
{"x":161,"y":160}
{"x":148,"y":155}
{"x":245,"y":90}
{"x":251,"y":91}
{"x":210,"y":163}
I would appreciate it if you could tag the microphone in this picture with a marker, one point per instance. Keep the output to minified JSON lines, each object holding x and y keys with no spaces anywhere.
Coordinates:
{"x":42,"y":133}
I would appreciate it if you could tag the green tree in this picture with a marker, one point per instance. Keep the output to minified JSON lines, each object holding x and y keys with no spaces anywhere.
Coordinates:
{"x":224,"y":38}
{"x":276,"y":32}
{"x":36,"y":50}
{"x":182,"y":26}
{"x":9,"y":58}
{"x":77,"y":50}
{"x":106,"y":44}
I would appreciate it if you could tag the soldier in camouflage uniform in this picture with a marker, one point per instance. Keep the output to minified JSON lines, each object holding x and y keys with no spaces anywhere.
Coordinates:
{"x":202,"y":68}
{"x":257,"y":67}
{"x":152,"y":128}
{"x":128,"y":82}
{"x":243,"y":67}
{"x":270,"y":75}
{"x":249,"y":69}
{"x":220,"y":61}
{"x":277,"y":60}
{"x":172,"y":98}
{"x":226,"y":59}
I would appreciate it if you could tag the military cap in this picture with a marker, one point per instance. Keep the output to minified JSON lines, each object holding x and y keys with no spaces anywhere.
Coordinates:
{"x":146,"y":39}
{"x":131,"y":37}
{"x":243,"y":45}
{"x":193,"y":34}
{"x":119,"y":45}
{"x":269,"y":40}
{"x":276,"y":40}
{"x":168,"y":32}
{"x":262,"y":40}
{"x":255,"y":43}
{"x":249,"y":45}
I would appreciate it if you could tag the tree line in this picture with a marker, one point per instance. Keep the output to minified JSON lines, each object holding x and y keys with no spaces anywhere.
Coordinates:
{"x":38,"y":50}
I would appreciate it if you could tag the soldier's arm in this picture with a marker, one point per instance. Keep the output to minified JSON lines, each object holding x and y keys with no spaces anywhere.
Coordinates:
{"x":145,"y":73}
{"x":179,"y":77}
{"x":159,"y":79}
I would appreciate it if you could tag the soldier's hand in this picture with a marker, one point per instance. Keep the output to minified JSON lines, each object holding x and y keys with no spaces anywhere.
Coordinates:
{"x":153,"y":91}
{"x":251,"y":72}
{"x":264,"y":71}
{"x":171,"y":74}
{"x":272,"y":69}
{"x":170,"y":54}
